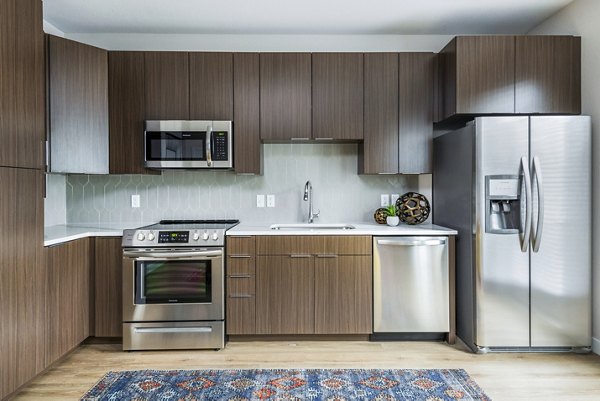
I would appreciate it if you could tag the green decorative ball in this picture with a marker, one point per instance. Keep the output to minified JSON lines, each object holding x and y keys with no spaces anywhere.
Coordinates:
{"x":413,"y":208}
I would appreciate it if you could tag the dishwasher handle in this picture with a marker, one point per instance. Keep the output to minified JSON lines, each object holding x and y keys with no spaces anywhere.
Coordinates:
{"x":411,"y":242}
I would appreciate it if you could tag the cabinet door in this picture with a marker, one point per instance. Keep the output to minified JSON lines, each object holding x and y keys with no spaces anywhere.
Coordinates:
{"x":68,"y":302}
{"x":246,"y":114}
{"x":23,"y":279}
{"x":22,"y":84}
{"x":285,"y":295}
{"x":108,"y":287}
{"x":548,"y":74}
{"x":285,"y":96}
{"x":343,"y":295}
{"x":379,"y":151}
{"x":211,"y":86}
{"x":478,"y":75}
{"x":126,"y":113}
{"x":78,"y":107}
{"x":415,"y":145}
{"x":167,"y":86}
{"x":337,"y":96}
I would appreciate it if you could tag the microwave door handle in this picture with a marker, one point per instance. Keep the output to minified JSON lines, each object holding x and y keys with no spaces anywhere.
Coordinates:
{"x":209,"y":145}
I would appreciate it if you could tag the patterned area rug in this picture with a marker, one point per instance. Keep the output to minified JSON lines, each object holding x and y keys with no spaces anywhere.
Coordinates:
{"x":287,"y":384}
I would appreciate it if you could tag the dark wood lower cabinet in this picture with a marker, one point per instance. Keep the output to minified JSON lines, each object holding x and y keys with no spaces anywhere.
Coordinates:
{"x":68,"y":301}
{"x":22,"y":278}
{"x":285,"y":300}
{"x":343,"y":295}
{"x":108,"y":293}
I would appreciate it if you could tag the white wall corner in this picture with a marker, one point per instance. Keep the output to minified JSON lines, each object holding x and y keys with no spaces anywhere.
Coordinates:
{"x":52,"y":30}
{"x":596,"y":346}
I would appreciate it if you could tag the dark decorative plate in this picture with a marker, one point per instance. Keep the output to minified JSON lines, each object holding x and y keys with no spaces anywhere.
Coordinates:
{"x":380,"y":215}
{"x":413,"y":208}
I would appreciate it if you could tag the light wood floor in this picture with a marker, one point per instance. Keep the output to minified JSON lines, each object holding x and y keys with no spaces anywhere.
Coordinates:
{"x":503,"y":376}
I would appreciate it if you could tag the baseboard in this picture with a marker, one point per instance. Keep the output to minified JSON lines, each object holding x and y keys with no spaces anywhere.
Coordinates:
{"x":596,"y":345}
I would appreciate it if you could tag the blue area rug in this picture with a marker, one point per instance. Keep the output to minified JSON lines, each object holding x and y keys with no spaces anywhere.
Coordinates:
{"x":288,"y":384}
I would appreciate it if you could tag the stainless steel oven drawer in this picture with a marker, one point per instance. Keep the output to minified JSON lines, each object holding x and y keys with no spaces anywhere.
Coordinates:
{"x":173,"y":335}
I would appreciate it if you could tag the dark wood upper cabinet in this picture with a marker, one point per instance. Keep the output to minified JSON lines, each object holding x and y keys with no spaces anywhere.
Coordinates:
{"x":126,"y":113}
{"x":337,"y":96}
{"x":22,"y":84}
{"x":246,"y":114}
{"x":477,"y":76}
{"x":108,"y":283}
{"x":68,"y":301}
{"x":416,"y":102}
{"x":211,"y":86}
{"x":285,"y":96}
{"x":167,"y":86}
{"x":548,"y":74}
{"x":23,"y":278}
{"x":78,"y":107}
{"x":379,"y":151}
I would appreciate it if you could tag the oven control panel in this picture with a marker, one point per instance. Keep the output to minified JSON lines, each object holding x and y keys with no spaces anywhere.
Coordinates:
{"x":173,"y":237}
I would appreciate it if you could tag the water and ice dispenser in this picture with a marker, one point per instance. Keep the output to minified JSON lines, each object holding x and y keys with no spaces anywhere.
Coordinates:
{"x":503,"y":204}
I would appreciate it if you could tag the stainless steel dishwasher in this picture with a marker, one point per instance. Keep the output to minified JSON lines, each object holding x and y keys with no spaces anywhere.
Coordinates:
{"x":410,"y":285}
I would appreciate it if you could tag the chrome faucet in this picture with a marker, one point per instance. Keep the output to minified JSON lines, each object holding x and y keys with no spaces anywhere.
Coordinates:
{"x":308,"y":197}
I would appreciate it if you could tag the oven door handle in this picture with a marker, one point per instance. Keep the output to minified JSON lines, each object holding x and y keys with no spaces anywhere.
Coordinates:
{"x":172,"y":255}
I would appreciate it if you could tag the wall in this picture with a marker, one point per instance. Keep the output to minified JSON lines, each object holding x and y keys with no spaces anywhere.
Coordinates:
{"x":581,"y":18}
{"x":55,"y":204}
{"x":264,"y":43}
{"x":340,"y":194}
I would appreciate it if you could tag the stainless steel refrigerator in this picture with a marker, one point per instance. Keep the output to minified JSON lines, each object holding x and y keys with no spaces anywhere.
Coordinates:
{"x":518,"y":190}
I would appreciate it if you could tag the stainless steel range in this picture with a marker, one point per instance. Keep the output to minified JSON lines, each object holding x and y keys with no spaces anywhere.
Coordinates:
{"x":173,"y":275}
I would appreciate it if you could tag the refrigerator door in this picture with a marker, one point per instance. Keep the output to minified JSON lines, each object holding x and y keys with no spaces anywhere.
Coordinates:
{"x":561,"y":267}
{"x":501,"y":266}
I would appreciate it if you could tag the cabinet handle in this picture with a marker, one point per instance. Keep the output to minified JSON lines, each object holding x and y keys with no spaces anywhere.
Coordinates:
{"x":327,"y":256}
{"x":241,"y":296}
{"x":324,"y":139}
{"x":300,"y":139}
{"x":240,"y":276}
{"x":299,"y":256}
{"x":240,"y":256}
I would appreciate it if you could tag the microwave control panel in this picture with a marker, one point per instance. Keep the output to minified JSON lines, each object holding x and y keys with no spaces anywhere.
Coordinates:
{"x":221,"y":145}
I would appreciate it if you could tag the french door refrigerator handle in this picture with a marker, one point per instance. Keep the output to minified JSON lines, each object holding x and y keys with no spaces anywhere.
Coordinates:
{"x":528,"y":204}
{"x":536,"y":172}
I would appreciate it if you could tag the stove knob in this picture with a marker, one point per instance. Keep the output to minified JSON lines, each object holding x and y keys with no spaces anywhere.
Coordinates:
{"x":215,"y":236}
{"x":195,"y":236}
{"x":205,"y":236}
{"x":151,"y":236}
{"x":141,"y":237}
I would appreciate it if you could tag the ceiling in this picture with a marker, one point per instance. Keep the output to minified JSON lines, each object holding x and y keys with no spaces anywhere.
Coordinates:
{"x":404,"y":17}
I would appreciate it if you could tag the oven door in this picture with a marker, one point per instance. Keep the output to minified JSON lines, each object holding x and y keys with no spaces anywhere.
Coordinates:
{"x":173,"y":285}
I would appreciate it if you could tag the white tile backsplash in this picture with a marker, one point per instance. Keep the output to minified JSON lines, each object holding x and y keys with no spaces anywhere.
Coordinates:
{"x":55,"y":204}
{"x":339,"y":193}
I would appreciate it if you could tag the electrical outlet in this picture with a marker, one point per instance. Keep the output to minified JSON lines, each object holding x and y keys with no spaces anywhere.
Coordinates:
{"x":385,"y":200}
{"x":395,"y":197}
{"x":260,"y":201}
{"x":135,"y":201}
{"x":270,"y":200}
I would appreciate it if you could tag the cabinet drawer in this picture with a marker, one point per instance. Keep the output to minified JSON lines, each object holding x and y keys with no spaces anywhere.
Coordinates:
{"x":243,"y":245}
{"x":241,"y":316}
{"x":241,"y":264}
{"x":310,"y":245}
{"x":241,"y":286}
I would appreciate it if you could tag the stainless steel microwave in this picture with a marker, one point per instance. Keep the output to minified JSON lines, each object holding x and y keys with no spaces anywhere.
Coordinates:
{"x":188,"y":144}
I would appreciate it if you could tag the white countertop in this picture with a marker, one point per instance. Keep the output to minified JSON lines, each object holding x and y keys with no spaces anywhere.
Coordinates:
{"x":360,"y":229}
{"x":54,"y":235}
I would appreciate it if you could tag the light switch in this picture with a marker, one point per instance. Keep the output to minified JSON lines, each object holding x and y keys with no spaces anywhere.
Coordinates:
{"x":270,"y":200}
{"x":395,"y":197}
{"x":135,"y":201}
{"x":260,"y":201}
{"x":385,"y":200}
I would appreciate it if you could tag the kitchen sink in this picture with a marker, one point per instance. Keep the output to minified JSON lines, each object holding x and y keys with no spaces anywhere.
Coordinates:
{"x":312,"y":227}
